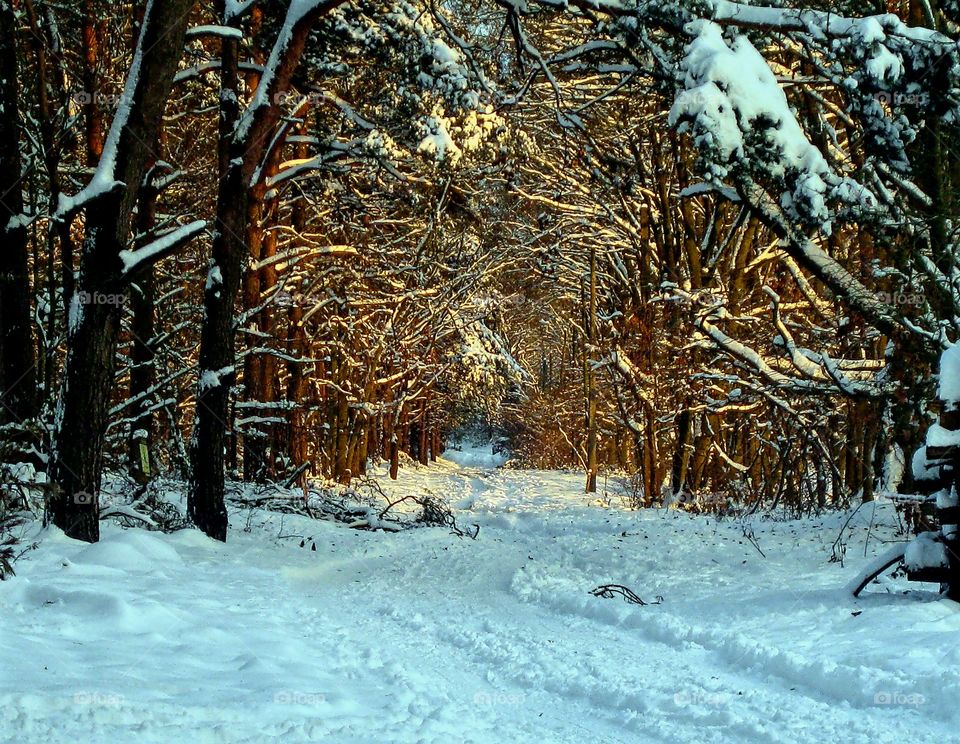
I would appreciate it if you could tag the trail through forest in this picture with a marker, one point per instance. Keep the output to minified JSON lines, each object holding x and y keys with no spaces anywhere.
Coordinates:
{"x":421,"y":636}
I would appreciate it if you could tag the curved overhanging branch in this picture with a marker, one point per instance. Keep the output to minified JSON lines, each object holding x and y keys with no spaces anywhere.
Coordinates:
{"x":753,"y":361}
{"x":802,"y":249}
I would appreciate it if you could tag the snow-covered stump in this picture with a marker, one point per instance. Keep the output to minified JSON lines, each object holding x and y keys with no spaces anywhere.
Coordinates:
{"x":933,"y":555}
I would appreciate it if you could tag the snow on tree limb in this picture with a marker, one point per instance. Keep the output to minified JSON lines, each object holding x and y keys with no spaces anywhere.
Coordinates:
{"x":822,"y":23}
{"x":740,"y":119}
{"x":138,"y":259}
{"x":756,"y":362}
{"x":104,"y":180}
{"x":235,"y":9}
{"x":815,"y":260}
{"x":300,"y":15}
{"x":215,"y":31}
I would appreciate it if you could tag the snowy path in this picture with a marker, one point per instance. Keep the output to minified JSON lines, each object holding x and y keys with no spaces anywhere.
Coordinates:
{"x":423,"y":637}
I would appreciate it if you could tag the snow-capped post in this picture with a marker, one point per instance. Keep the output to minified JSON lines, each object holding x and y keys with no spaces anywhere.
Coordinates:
{"x":934,"y":555}
{"x":107,"y":267}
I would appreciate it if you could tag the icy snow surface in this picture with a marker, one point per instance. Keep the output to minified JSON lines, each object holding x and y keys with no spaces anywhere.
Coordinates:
{"x":423,"y":637}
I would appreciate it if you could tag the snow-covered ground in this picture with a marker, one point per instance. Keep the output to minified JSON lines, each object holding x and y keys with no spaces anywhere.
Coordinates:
{"x":421,"y":636}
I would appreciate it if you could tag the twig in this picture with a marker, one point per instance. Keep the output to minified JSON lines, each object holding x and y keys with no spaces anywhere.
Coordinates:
{"x":752,"y":538}
{"x":836,"y":543}
{"x":609,"y":591}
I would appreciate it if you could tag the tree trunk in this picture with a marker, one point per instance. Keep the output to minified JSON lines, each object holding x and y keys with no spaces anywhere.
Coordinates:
{"x":241,"y":152}
{"x":296,"y":440}
{"x":254,"y":437}
{"x":681,"y":452}
{"x":18,"y":384}
{"x":205,"y":501}
{"x":81,"y":420}
{"x":590,"y":377}
{"x":142,"y":353}
{"x":423,"y":454}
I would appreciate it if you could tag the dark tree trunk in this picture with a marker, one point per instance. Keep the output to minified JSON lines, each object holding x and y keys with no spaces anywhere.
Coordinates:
{"x":393,"y":444}
{"x":18,"y":383}
{"x":205,"y":505}
{"x":269,"y":369}
{"x":95,"y":311}
{"x":341,"y":440}
{"x":240,"y":153}
{"x":423,"y":454}
{"x":590,"y":376}
{"x":50,"y":82}
{"x":394,"y":458}
{"x":681,"y":452}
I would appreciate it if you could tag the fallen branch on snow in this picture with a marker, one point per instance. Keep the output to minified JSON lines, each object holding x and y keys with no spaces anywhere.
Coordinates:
{"x":609,"y":591}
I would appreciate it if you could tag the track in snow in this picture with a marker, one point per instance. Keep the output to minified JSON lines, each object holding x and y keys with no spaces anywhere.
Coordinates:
{"x":421,"y":636}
